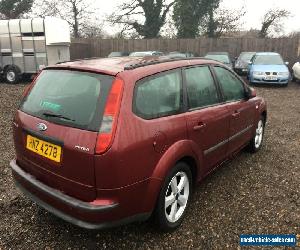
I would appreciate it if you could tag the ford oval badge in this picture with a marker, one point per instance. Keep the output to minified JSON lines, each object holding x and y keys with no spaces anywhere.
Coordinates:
{"x":41,"y":127}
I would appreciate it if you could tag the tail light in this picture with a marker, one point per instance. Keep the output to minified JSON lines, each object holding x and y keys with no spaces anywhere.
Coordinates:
{"x":109,"y":121}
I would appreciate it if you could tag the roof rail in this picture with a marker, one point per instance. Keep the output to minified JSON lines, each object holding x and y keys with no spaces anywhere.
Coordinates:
{"x":76,"y":60}
{"x":164,"y":60}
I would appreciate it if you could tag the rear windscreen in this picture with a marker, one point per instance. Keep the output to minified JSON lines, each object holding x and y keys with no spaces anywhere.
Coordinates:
{"x":69,"y":98}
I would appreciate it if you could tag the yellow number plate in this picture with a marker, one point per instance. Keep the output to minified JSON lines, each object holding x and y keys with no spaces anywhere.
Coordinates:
{"x":43,"y":148}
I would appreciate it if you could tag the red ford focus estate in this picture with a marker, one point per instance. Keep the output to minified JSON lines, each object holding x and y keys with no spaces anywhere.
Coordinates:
{"x":104,"y":142}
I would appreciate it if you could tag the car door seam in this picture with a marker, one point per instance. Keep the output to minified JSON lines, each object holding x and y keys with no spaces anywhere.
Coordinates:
{"x":220,"y":144}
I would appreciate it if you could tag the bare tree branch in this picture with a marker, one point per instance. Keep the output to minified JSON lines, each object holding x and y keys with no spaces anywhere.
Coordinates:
{"x":272,"y":20}
{"x":75,"y":12}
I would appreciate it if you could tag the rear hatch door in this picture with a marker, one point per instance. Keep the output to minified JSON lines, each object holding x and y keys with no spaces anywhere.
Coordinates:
{"x":56,"y":129}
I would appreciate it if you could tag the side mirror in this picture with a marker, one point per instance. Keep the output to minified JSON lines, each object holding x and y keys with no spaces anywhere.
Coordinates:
{"x":250,"y":93}
{"x":287,"y":63}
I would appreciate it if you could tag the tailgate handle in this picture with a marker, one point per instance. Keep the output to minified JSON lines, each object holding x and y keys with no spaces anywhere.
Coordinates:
{"x":200,"y":126}
{"x":236,"y":114}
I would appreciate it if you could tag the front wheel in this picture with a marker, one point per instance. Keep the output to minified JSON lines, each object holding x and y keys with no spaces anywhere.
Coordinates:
{"x":256,"y":142}
{"x":174,"y":197}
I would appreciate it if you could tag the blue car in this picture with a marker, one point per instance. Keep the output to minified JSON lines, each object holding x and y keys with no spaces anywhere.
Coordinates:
{"x":268,"y":67}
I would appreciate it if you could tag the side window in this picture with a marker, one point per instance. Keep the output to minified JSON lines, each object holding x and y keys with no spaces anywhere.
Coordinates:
{"x":232,"y":87}
{"x":201,"y":89}
{"x":159,"y":96}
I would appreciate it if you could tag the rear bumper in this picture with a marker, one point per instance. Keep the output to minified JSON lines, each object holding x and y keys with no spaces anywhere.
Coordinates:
{"x":77,"y":212}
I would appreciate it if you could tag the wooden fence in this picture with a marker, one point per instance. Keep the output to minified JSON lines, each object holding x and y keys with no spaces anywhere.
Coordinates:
{"x":289,"y":48}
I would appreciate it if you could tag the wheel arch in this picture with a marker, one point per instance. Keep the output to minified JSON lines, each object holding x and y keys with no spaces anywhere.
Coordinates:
{"x":13,"y":66}
{"x":178,"y":152}
{"x":191,"y":162}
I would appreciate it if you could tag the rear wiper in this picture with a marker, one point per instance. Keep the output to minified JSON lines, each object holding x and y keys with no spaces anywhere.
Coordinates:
{"x":58,"y":116}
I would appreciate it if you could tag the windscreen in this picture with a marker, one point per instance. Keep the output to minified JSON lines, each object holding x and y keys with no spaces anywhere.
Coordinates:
{"x":177,"y":55}
{"x":117,"y":54}
{"x":246,"y":56}
{"x":220,"y":58}
{"x":137,"y":54}
{"x":268,"y":60}
{"x":70,"y":98}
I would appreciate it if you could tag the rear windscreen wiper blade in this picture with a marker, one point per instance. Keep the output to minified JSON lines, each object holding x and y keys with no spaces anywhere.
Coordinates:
{"x":58,"y":116}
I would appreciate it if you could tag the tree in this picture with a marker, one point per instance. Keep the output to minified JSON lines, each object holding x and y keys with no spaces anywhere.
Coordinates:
{"x":272,"y":21}
{"x":169,"y":29}
{"x":222,"y":21}
{"x":153,"y":11}
{"x":75,"y":12}
{"x":93,"y":29}
{"x":188,"y":14}
{"x":11,"y":9}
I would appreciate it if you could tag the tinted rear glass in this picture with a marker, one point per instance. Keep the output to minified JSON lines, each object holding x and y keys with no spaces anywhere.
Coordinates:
{"x":70,"y":98}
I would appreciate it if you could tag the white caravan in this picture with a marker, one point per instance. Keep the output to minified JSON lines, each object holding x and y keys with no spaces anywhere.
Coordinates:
{"x":27,"y":45}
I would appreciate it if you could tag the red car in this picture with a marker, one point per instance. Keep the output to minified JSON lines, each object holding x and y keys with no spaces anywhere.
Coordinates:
{"x":104,"y":142}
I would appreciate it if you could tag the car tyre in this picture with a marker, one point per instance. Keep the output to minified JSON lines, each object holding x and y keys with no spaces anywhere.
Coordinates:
{"x":257,"y":141}
{"x":173,"y":198}
{"x":12,"y":74}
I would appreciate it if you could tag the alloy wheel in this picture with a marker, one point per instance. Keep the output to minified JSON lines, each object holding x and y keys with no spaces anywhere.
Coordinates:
{"x":176,"y":197}
{"x":259,"y":134}
{"x":11,"y":76}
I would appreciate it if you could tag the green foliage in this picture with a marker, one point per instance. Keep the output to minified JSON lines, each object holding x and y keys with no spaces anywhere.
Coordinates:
{"x":10,"y":9}
{"x":188,"y":15}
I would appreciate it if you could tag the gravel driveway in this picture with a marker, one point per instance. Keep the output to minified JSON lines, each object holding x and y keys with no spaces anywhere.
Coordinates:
{"x":252,"y":194}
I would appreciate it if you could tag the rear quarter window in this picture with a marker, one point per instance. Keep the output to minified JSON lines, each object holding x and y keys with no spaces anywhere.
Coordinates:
{"x":158,"y":96}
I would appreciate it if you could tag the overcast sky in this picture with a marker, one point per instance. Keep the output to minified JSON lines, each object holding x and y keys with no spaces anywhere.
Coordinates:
{"x":255,"y":9}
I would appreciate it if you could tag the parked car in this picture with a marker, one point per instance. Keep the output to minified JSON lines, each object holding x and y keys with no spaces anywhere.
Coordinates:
{"x":176,"y":54}
{"x":242,"y":62}
{"x":118,"y":54}
{"x":146,"y":53}
{"x":222,"y":57}
{"x":296,"y":71}
{"x":105,"y":142}
{"x":268,"y":67}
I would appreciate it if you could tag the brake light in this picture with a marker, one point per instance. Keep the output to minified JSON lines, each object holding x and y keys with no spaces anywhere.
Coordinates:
{"x":109,"y":121}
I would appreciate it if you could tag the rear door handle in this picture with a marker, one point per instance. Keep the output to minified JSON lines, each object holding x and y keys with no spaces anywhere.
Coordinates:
{"x":199,"y":126}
